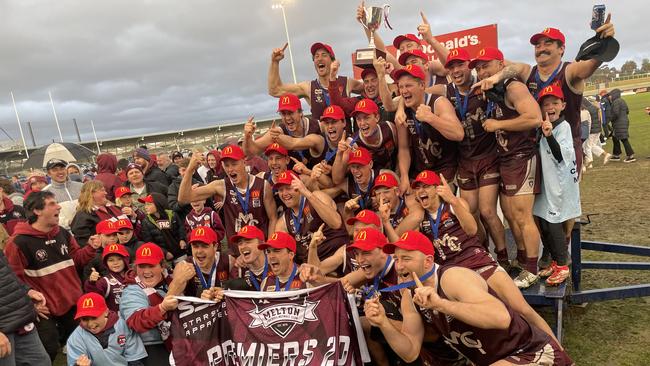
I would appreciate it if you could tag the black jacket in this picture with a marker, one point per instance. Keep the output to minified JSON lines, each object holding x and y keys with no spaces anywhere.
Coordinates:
{"x":172,"y":172}
{"x":156,"y":175}
{"x":166,"y":230}
{"x":16,"y":308}
{"x":83,"y":224}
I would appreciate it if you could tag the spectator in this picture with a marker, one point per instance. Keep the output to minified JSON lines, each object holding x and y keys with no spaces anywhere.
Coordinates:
{"x":620,"y":126}
{"x":139,"y":187}
{"x":592,"y":146}
{"x":182,"y":209}
{"x":125,"y":237}
{"x":115,"y":259}
{"x":34,"y":183}
{"x":74,"y":173}
{"x":151,"y":172}
{"x":204,"y":216}
{"x":215,"y":170}
{"x":121,"y":169}
{"x":177,"y":156}
{"x":163,"y":227}
{"x":144,"y":304}
{"x":18,"y":311}
{"x":167,"y":166}
{"x":10,"y":214}
{"x":102,"y":337}
{"x":605,"y":110}
{"x":106,"y":167}
{"x":46,"y":258}
{"x":124,"y":200}
{"x":65,"y":191}
{"x":93,"y":208}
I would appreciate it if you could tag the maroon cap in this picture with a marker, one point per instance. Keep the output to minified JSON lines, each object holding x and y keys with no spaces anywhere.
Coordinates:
{"x":365,"y":216}
{"x":486,"y":54}
{"x":367,"y":71}
{"x":232,"y":152}
{"x":333,"y":112}
{"x":427,"y":177}
{"x":365,"y":106}
{"x":415,"y":52}
{"x":553,"y":90}
{"x":289,"y":102}
{"x":247,"y":232}
{"x":551,"y":33}
{"x":279,"y":240}
{"x":360,"y":155}
{"x":405,"y":37}
{"x":318,"y":45}
{"x":457,"y":54}
{"x":413,"y":70}
{"x":411,"y":240}
{"x":368,"y":239}
{"x":275,"y":147}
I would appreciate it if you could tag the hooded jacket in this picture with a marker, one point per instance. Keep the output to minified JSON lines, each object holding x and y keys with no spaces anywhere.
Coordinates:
{"x":106,"y":167}
{"x":618,"y":113}
{"x":48,"y":263}
{"x":11,"y":215}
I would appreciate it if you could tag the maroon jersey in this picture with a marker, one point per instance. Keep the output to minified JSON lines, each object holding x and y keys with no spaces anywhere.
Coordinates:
{"x":520,"y":144}
{"x":429,"y":149}
{"x":452,"y":245}
{"x":320,"y":98}
{"x":401,"y":211}
{"x":354,"y":190}
{"x":269,"y":284}
{"x":234,"y":214}
{"x":309,"y":224}
{"x":208,"y":218}
{"x":384,"y":153}
{"x":486,"y":346}
{"x":221,"y":273}
{"x":477,"y":142}
{"x":309,"y":126}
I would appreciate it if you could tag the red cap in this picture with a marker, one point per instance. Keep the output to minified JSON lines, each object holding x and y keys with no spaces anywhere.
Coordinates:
{"x":368,"y":239}
{"x":148,"y":199}
{"x":289,"y":102}
{"x":106,"y":227}
{"x":486,"y":54}
{"x":203,"y":234}
{"x":121,"y":191}
{"x":553,"y":90}
{"x":91,"y":304}
{"x":366,"y":106}
{"x":285,"y":178}
{"x":248,"y":232}
{"x":360,"y":155}
{"x":427,"y":177}
{"x":405,"y":37}
{"x":457,"y":54}
{"x":124,"y":224}
{"x":318,"y":45}
{"x":115,"y":249}
{"x":413,"y":70}
{"x":415,"y":52}
{"x":551,"y":33}
{"x":275,"y":147}
{"x":602,"y":92}
{"x":149,"y":253}
{"x":232,"y":152}
{"x":279,"y":240}
{"x":367,"y":71}
{"x":411,"y":240}
{"x":333,"y":112}
{"x":385,"y":180}
{"x":366,"y":217}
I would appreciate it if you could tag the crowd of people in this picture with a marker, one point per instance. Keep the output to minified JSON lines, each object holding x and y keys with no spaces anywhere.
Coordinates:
{"x":390,"y":186}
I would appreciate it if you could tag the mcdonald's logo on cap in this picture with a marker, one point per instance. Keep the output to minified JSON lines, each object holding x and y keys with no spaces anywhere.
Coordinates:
{"x":88,"y":303}
{"x":362,"y":214}
{"x":329,"y":109}
{"x":482,"y":52}
{"x":200,"y":231}
{"x":362,"y":235}
{"x":404,"y":236}
{"x":423,"y":175}
{"x":548,"y":89}
{"x":285,"y":100}
{"x":409,"y":67}
{"x":546,"y":30}
{"x":453,"y":53}
{"x":244,"y":230}
{"x":274,"y":236}
{"x":121,"y":222}
{"x":361,"y":104}
{"x":382,"y":178}
{"x":275,"y":145}
{"x":112,"y":248}
{"x":357,"y":153}
{"x":228,"y":150}
{"x":145,"y":252}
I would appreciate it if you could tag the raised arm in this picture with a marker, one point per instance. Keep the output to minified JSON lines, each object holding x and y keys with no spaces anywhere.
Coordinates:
{"x":384,"y":91}
{"x":578,"y":71}
{"x":530,"y":116}
{"x":275,"y":85}
{"x":403,"y":157}
{"x":443,"y":119}
{"x":185,"y":192}
{"x":441,"y":51}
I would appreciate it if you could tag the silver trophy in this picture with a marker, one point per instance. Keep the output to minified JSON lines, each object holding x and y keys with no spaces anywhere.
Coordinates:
{"x":372,"y":21}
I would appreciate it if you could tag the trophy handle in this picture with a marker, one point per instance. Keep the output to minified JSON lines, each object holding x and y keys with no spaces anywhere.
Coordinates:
{"x":386,"y":8}
{"x":365,"y":21}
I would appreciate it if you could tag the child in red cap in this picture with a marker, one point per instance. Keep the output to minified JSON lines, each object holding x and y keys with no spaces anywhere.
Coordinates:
{"x":115,"y":259}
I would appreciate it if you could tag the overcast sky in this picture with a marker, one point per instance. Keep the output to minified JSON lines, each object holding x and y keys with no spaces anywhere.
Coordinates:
{"x":144,"y":66}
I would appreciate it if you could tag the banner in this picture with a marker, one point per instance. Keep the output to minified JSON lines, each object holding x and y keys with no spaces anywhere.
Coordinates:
{"x":296,"y":328}
{"x":472,"y":39}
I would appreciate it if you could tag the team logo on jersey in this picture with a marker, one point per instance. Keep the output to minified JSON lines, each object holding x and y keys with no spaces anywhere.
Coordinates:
{"x":282,"y":318}
{"x":41,"y":255}
{"x":121,"y":339}
{"x":318,"y":93}
{"x":255,"y":195}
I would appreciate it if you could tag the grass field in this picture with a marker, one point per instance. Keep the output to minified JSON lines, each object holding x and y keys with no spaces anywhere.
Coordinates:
{"x":612,"y":332}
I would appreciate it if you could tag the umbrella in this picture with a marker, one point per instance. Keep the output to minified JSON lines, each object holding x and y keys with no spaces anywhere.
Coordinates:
{"x":67,"y":151}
